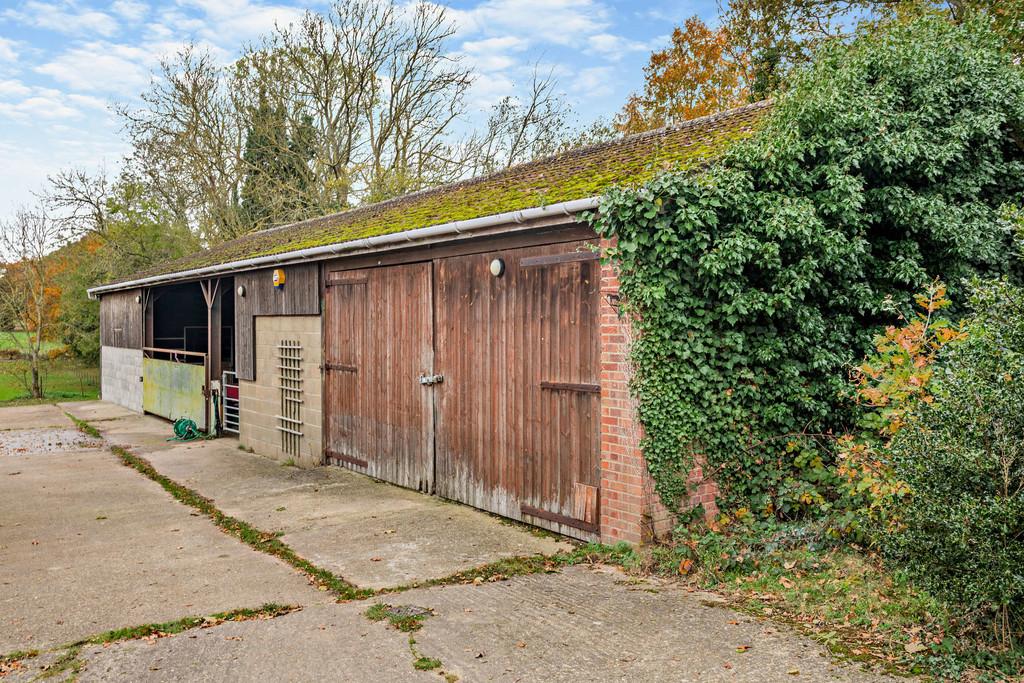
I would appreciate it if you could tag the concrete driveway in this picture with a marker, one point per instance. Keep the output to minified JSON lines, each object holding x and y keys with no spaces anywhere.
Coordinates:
{"x":88,"y":545}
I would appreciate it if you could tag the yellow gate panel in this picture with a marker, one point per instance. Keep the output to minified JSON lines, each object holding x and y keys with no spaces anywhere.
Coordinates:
{"x":174,"y":390}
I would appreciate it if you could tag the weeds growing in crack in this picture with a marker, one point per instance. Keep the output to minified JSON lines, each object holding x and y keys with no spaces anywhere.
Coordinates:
{"x":266,"y":611}
{"x":66,"y":663}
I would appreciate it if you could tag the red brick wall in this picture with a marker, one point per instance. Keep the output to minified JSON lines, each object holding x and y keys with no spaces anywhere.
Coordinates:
{"x":631,"y":510}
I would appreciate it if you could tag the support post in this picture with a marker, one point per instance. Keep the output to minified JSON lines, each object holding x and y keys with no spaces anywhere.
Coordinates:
{"x":211,"y":294}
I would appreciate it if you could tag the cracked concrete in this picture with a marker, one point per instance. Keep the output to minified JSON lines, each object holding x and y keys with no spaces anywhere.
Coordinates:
{"x":88,"y":545}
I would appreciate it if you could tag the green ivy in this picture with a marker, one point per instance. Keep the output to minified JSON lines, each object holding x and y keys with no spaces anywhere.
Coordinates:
{"x":756,"y":283}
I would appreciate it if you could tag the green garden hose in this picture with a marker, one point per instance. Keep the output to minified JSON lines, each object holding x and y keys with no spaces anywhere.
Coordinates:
{"x":185,"y":430}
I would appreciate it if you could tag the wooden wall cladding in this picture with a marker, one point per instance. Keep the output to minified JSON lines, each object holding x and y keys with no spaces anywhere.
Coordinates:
{"x":121,"y":322}
{"x":299,"y":296}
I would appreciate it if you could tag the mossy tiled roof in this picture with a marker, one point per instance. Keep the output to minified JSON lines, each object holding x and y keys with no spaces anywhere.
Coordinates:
{"x":578,"y":174}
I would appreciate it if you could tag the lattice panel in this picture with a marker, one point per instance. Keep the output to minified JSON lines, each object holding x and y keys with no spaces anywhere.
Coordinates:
{"x":289,"y":374}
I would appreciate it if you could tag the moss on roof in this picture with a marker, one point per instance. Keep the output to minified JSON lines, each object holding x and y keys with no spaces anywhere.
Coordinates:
{"x":578,"y":174}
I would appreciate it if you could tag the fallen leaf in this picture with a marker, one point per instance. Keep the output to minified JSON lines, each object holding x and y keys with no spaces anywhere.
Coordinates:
{"x":520,"y":644}
{"x":915,"y":647}
{"x":794,"y":672}
{"x":786,"y":583}
{"x":376,"y":559}
{"x":742,"y":648}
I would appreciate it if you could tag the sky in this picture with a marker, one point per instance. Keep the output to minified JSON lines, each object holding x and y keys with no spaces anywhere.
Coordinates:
{"x":65,"y":63}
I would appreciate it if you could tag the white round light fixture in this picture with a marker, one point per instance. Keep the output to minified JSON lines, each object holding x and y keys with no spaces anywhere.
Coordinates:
{"x":497,"y":267}
{"x":241,"y":290}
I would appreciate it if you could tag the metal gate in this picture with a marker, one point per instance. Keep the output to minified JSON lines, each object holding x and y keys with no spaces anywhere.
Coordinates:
{"x":474,"y":375}
{"x":174,"y":384}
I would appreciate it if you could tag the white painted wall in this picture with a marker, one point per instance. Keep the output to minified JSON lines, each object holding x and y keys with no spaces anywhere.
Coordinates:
{"x":120,"y":370}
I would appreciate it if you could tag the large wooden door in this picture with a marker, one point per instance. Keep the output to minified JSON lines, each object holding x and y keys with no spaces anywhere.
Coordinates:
{"x":518,"y":412}
{"x":378,"y":342}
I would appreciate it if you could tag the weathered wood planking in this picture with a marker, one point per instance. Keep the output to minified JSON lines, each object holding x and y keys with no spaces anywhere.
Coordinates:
{"x":299,"y":296}
{"x":518,"y":420}
{"x":377,"y":344}
{"x":121,"y":319}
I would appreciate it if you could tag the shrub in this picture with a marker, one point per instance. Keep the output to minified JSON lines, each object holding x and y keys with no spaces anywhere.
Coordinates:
{"x":889,"y":385}
{"x":962,"y":454}
{"x":755,"y":283}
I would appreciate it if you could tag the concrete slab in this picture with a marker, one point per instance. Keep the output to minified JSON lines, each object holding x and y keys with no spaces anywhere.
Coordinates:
{"x":320,"y":643}
{"x":582,"y":624}
{"x":88,"y":545}
{"x":96,"y":410}
{"x":598,"y":624}
{"x":33,"y":417}
{"x":375,"y":535}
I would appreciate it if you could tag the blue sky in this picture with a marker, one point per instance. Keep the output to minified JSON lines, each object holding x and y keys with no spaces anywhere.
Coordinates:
{"x":63,"y":63}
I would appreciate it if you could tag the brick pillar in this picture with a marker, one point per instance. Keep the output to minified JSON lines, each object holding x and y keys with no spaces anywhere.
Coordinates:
{"x":631,"y":510}
{"x":623,"y":471}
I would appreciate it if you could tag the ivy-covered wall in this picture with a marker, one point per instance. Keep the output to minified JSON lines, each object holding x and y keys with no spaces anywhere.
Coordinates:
{"x":756,"y":283}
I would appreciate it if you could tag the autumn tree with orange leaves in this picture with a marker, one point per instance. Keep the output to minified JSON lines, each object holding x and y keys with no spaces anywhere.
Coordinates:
{"x":29,"y":294}
{"x":700,"y":73}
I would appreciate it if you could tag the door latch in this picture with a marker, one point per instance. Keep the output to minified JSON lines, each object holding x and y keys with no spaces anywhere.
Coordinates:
{"x":427,"y":380}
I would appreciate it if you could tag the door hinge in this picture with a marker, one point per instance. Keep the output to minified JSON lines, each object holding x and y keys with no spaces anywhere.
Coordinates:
{"x":427,"y":380}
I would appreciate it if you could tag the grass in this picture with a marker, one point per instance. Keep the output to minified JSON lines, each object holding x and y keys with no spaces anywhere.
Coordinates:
{"x":16,"y":341}
{"x":64,"y":379}
{"x":403,"y":623}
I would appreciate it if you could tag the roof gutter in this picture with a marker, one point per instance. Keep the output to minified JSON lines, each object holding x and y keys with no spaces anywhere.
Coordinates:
{"x":419,"y":235}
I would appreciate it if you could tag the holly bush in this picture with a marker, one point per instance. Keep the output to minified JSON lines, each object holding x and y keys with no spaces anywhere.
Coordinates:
{"x":756,"y":282}
{"x":961,"y":532}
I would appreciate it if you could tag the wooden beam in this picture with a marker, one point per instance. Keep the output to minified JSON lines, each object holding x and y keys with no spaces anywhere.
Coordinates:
{"x":531,"y":511}
{"x":555,"y":259}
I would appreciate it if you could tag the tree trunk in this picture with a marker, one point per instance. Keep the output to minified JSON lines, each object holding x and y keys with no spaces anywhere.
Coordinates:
{"x":37,"y":385}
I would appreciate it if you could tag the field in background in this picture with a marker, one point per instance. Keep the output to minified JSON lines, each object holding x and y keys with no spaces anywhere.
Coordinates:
{"x":64,"y":379}
{"x":15,"y":341}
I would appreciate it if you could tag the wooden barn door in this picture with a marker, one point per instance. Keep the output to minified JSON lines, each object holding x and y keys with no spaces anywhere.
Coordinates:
{"x":518,"y":412}
{"x":378,"y":341}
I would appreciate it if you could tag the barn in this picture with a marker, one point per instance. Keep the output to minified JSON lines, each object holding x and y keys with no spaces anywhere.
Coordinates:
{"x":464,"y":341}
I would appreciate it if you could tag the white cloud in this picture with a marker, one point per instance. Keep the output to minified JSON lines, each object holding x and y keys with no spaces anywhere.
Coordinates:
{"x":130,"y":10}
{"x":228,"y":22}
{"x":614,"y":48}
{"x":595,"y":81}
{"x":64,"y":17}
{"x":91,"y":67}
{"x":561,"y":22}
{"x":7,"y":51}
{"x":33,"y":103}
{"x":101,"y":66}
{"x":12,"y":88}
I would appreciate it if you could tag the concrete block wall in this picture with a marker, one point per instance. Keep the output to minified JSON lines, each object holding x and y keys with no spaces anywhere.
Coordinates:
{"x":120,"y":376}
{"x":631,"y":509}
{"x":260,"y":400}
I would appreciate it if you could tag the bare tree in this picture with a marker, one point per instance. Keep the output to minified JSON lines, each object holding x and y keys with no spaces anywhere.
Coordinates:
{"x":521,"y":128}
{"x":187,"y":140}
{"x":27,"y":292}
